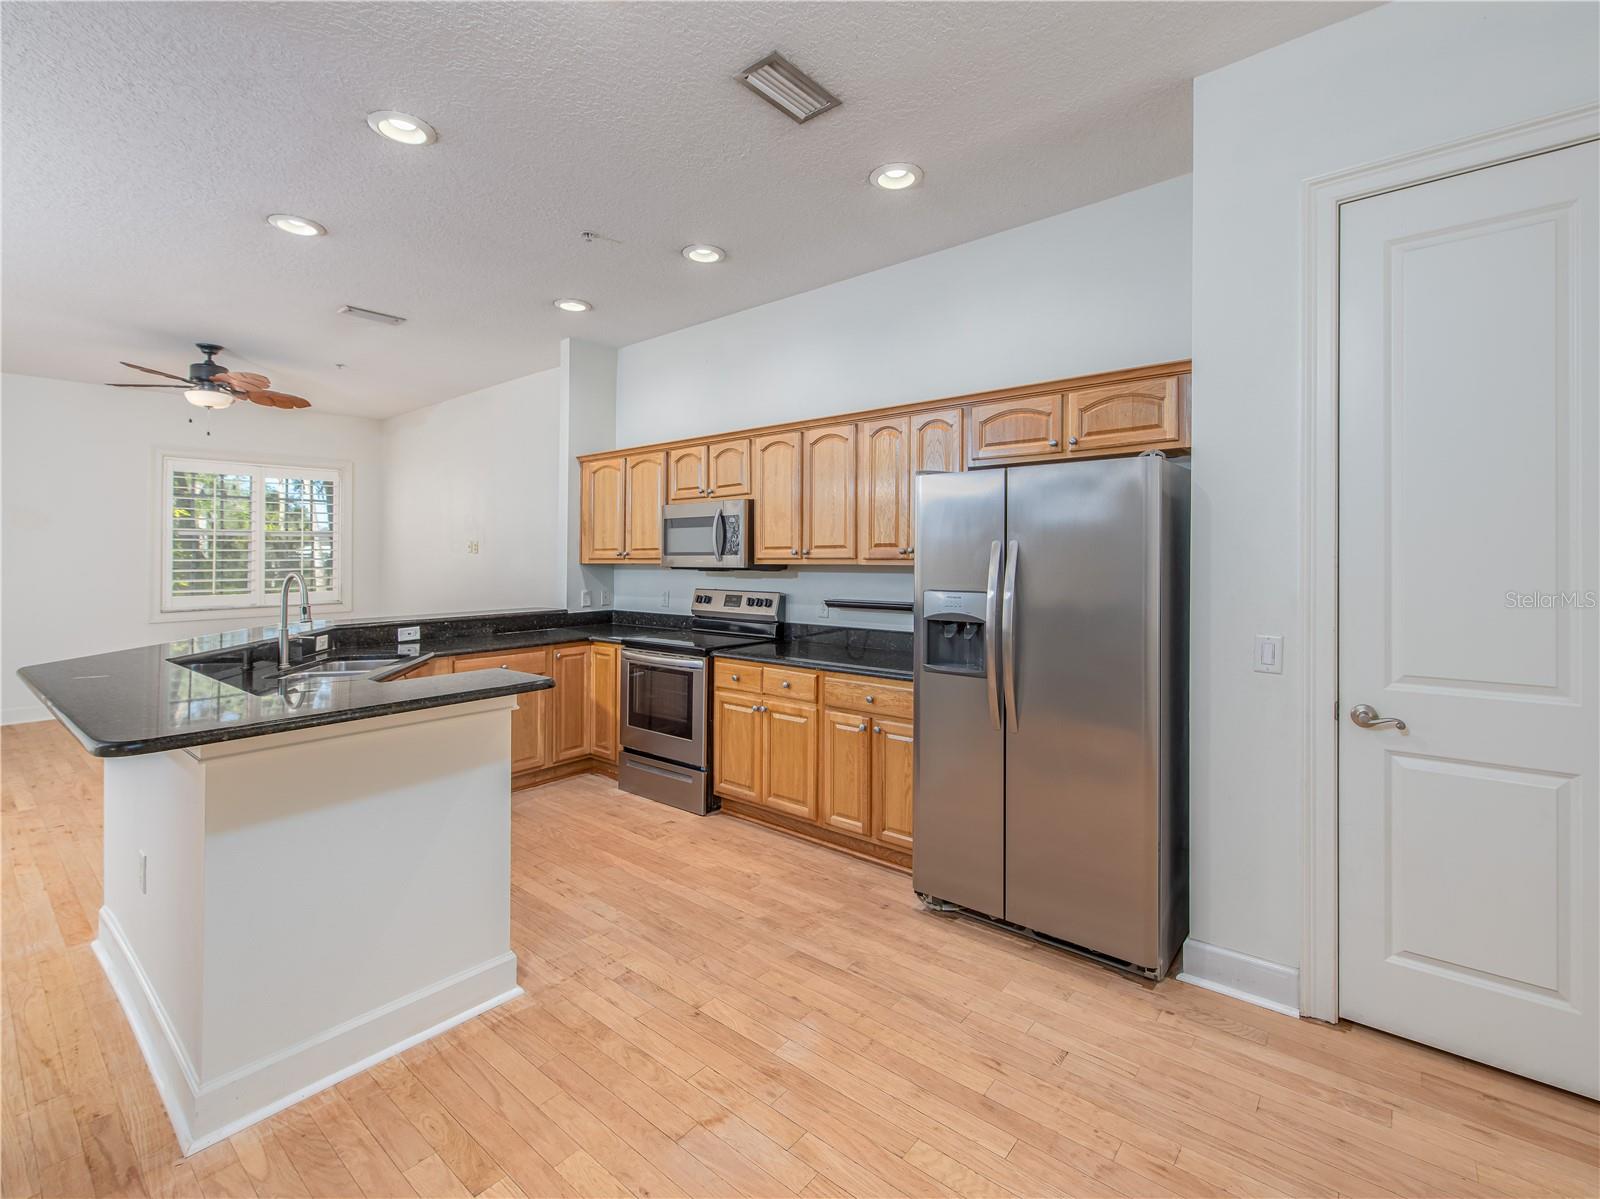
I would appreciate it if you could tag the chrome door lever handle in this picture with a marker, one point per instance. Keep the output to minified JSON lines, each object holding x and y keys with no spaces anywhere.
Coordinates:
{"x":1366,"y":716}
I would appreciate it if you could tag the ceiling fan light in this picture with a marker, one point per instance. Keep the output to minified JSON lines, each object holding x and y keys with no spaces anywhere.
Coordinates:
{"x":209,"y":397}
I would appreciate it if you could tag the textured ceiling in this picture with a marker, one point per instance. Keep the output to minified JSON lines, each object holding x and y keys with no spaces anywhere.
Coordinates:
{"x":144,"y":143}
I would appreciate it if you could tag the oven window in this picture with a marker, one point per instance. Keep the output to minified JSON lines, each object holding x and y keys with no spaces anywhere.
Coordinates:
{"x":661,"y":700}
{"x":689,"y":534}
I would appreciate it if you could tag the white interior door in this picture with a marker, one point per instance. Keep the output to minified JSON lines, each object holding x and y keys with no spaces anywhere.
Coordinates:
{"x":1469,"y":536}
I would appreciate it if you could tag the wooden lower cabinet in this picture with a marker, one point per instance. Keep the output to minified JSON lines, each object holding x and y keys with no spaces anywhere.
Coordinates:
{"x":604,"y":700}
{"x":843,"y":767}
{"x":847,"y":773}
{"x":530,"y":723}
{"x":569,"y":726}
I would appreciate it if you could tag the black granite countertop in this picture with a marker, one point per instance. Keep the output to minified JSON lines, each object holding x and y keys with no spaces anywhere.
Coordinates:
{"x":876,"y":652}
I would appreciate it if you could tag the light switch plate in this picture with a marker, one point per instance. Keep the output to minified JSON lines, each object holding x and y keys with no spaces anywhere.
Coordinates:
{"x":322,"y":644}
{"x":411,"y":632}
{"x":1269,"y":654}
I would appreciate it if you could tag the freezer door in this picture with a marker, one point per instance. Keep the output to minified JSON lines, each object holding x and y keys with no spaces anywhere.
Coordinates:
{"x":959,"y":781}
{"x":1083,"y":744}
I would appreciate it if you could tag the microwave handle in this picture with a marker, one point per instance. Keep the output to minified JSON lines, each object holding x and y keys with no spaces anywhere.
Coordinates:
{"x":718,"y":534}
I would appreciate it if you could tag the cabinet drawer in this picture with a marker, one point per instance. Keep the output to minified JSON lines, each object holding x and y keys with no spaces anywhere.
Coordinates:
{"x":737,"y":676}
{"x":883,"y":697}
{"x":529,"y":661}
{"x":789,"y":684}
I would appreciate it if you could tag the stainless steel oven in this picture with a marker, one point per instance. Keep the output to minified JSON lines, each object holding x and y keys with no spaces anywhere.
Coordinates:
{"x":664,"y":709}
{"x":706,"y":535}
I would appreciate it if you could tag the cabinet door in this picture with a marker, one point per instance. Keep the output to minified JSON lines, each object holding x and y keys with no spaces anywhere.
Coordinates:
{"x":883,"y":501}
{"x":646,"y":485}
{"x":728,"y":468}
{"x":789,"y":747}
{"x":569,"y":726}
{"x":846,"y":799}
{"x":737,"y":735}
{"x":828,"y":492}
{"x":893,"y":752}
{"x":1022,"y":429}
{"x":777,"y":507}
{"x":530,"y":723}
{"x":936,"y":448}
{"x":603,"y":509}
{"x":1119,"y":416}
{"x":603,"y":701}
{"x":686,"y":473}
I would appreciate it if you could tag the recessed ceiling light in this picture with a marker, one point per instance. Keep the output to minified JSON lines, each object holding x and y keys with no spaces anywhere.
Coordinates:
{"x":896,"y":176}
{"x":704,"y":253}
{"x":297,"y":225}
{"x":402,"y":127}
{"x":574,"y":305}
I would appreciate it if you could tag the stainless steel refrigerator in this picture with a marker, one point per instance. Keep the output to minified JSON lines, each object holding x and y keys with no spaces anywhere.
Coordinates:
{"x":1051,"y":683}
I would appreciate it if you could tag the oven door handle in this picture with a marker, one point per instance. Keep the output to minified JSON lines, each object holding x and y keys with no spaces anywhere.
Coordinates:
{"x":684,"y":663}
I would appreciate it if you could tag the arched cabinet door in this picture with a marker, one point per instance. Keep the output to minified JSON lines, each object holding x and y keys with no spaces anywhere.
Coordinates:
{"x":829,"y":492}
{"x":883,"y":498}
{"x":1023,"y":429}
{"x":604,"y":508}
{"x":1147,"y":413}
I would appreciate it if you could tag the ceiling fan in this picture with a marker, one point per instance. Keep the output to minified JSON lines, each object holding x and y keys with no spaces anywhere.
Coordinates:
{"x":211,"y":385}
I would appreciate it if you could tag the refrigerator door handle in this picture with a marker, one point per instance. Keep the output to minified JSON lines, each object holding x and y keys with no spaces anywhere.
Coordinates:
{"x":1008,"y":631}
{"x":991,"y":619}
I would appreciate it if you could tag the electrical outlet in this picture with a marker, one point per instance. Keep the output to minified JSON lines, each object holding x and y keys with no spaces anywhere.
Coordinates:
{"x":666,"y":599}
{"x":585,"y":597}
{"x":411,"y":632}
{"x":322,"y":644}
{"x":605,"y":596}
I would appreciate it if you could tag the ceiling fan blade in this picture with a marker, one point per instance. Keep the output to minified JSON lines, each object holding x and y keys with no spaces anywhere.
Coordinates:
{"x":173,"y":386}
{"x":276,"y":399}
{"x":150,"y":370}
{"x":242,"y":380}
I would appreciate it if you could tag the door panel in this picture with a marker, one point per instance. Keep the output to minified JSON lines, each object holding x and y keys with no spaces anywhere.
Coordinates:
{"x":604,"y":701}
{"x":728,"y":468}
{"x":884,"y":500}
{"x":789,"y":753}
{"x":893,"y":756}
{"x":961,"y":768}
{"x":1468,"y":509}
{"x":829,"y":492}
{"x":530,"y":723}
{"x":1014,"y":430}
{"x":937,"y":447}
{"x":846,"y":802}
{"x":646,"y":485}
{"x":603,"y":509}
{"x":569,"y":732}
{"x":778,"y":517}
{"x":1141,"y":413}
{"x":736,"y":733}
{"x":1081,"y":769}
{"x":686,"y":474}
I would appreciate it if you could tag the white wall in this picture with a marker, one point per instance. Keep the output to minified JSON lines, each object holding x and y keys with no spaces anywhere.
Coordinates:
{"x":480,"y":467}
{"x":1098,"y":288}
{"x":588,"y":423}
{"x":1396,"y":79}
{"x":80,"y":535}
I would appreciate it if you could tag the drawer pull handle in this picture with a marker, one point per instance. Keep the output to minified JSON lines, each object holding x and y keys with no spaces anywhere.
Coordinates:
{"x":785,"y":683}
{"x":871,"y":699}
{"x":734,"y":677}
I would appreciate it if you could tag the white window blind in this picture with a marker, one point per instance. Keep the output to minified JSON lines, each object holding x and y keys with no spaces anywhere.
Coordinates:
{"x":232,"y":531}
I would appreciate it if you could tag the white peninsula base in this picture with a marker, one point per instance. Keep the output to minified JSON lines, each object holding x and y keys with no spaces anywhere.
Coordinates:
{"x":284,"y":911}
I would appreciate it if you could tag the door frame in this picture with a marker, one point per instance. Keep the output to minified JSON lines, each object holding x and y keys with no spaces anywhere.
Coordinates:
{"x":1322,"y":198}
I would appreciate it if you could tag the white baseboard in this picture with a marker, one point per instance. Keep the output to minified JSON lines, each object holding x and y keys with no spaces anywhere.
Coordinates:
{"x":204,"y":1113}
{"x":24,"y":714}
{"x":1240,"y":976}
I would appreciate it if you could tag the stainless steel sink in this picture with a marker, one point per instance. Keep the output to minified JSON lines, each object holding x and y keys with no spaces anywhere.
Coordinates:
{"x":342,"y":668}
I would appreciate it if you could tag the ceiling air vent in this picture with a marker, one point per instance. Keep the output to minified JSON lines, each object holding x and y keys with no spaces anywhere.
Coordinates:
{"x":787,"y":88}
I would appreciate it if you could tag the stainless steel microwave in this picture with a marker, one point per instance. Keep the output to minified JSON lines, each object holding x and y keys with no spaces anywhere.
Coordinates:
{"x":706,"y":535}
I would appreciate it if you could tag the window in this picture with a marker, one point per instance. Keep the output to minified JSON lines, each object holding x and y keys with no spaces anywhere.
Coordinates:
{"x":232,"y":531}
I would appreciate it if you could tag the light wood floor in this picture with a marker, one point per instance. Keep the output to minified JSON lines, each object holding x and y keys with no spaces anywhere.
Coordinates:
{"x":715,"y":1009}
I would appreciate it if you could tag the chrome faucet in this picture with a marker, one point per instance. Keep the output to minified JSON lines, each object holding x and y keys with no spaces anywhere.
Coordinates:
{"x":283,"y":615}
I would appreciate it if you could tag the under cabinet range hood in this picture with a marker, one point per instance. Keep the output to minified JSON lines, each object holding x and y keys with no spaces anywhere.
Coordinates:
{"x":708,"y":535}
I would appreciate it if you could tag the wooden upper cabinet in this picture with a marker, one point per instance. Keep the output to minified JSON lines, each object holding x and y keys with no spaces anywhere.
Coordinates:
{"x":569,"y":726}
{"x":603,"y":509}
{"x":728,"y":468}
{"x":883,"y":498}
{"x":1147,"y":413}
{"x":686,"y":474}
{"x":778,"y":518}
{"x":829,"y":492}
{"x":646,"y":488}
{"x":936,"y":441}
{"x":1027,"y":428}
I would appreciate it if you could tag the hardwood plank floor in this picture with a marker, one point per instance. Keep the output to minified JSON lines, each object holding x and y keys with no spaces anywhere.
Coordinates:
{"x":716,"y":1009}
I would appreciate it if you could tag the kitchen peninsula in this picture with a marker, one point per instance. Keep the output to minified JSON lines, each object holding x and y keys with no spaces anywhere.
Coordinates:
{"x":305,"y":870}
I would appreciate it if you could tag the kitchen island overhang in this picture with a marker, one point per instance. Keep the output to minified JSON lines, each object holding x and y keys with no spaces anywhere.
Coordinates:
{"x":286,"y":906}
